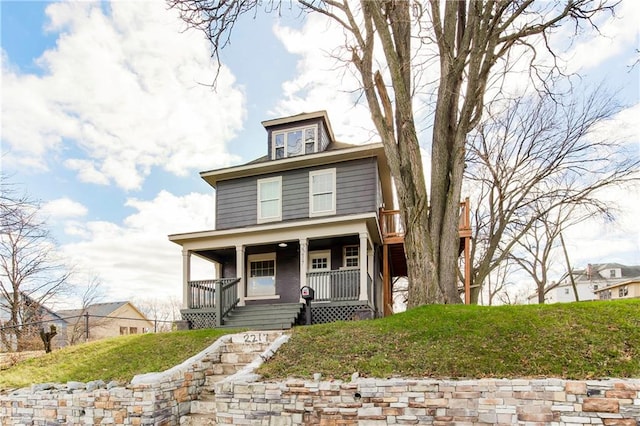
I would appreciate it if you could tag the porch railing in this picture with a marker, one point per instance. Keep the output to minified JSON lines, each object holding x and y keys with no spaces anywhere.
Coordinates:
{"x":221,"y":294}
{"x":335,"y":286}
{"x":201,"y":294}
{"x":228,"y":297}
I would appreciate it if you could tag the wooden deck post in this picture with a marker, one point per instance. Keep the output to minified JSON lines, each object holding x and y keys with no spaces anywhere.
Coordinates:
{"x":386,"y":281}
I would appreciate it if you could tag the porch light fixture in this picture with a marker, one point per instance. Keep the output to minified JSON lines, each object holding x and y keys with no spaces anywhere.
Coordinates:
{"x":282,"y":245}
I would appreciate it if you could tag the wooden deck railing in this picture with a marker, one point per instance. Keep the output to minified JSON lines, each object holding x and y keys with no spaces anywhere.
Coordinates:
{"x":335,"y":286}
{"x":392,"y":227}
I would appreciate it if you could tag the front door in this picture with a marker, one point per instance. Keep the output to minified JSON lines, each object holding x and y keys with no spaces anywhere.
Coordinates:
{"x":320,"y":273}
{"x":261,"y":275}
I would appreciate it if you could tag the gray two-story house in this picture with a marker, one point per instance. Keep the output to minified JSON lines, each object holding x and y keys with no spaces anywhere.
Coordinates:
{"x":309,"y":213}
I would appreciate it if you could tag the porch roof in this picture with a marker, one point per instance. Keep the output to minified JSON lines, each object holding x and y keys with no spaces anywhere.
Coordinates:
{"x":283,"y":231}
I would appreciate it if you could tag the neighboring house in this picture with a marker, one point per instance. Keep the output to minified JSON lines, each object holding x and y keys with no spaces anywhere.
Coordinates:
{"x":36,"y":316}
{"x":597,"y":281}
{"x":312,"y":212}
{"x":105,"y":320}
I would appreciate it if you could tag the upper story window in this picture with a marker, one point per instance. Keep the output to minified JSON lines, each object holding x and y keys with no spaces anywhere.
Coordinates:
{"x":270,"y":199}
{"x":322,"y":192}
{"x":297,"y":141}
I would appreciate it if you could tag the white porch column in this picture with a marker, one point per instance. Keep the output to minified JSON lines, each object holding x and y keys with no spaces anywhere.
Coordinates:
{"x":304,"y":244}
{"x":364,"y":294}
{"x":240,"y":273}
{"x":186,"y":277}
{"x":217,"y":270}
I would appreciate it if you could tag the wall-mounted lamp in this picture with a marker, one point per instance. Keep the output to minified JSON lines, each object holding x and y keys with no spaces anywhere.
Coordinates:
{"x":282,"y":245}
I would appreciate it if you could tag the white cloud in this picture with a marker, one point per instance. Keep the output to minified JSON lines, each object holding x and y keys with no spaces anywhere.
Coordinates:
{"x":120,"y":93}
{"x":619,"y":34}
{"x":136,"y":259}
{"x":62,"y":208}
{"x":323,"y":81}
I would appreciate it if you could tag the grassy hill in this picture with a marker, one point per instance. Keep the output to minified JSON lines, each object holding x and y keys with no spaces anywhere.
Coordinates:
{"x":571,"y":340}
{"x":577,"y":340}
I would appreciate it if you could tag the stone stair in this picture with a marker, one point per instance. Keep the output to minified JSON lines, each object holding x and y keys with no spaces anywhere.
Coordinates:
{"x":281,"y":316}
{"x":241,"y":350}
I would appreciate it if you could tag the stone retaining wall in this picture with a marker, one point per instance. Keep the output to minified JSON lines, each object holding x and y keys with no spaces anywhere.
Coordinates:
{"x":153,"y":399}
{"x":375,"y":402}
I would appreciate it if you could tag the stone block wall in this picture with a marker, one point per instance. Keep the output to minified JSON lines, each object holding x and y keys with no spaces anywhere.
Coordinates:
{"x":151,"y":399}
{"x":375,"y":402}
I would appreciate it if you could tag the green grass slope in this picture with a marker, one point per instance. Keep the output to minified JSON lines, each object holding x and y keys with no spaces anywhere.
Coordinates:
{"x":575,"y":340}
{"x":118,"y":358}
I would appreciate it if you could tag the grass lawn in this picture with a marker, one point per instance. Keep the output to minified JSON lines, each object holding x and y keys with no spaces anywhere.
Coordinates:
{"x":571,"y":340}
{"x":119,"y":358}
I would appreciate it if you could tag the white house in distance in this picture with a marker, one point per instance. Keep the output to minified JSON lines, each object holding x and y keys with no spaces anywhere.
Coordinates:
{"x":593,"y":280}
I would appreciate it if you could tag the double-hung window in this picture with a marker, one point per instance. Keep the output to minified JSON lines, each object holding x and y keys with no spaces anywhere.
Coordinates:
{"x":270,"y":199}
{"x":322,"y":192}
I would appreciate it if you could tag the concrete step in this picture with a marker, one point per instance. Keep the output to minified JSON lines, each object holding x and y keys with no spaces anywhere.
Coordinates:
{"x":245,"y":347}
{"x":237,"y":357}
{"x":198,"y":420}
{"x":204,"y":406}
{"x":210,"y":381}
{"x":226,"y":369}
{"x":242,"y":349}
{"x":256,"y":337}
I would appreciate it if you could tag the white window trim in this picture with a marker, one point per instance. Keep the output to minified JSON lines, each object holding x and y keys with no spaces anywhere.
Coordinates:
{"x":259,"y":200}
{"x":320,"y":254}
{"x":344,"y":257}
{"x":258,"y":258}
{"x":293,"y":129}
{"x":313,"y":213}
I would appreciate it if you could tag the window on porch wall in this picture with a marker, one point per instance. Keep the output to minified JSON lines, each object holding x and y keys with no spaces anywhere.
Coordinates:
{"x":261,"y":275}
{"x":351,"y":256}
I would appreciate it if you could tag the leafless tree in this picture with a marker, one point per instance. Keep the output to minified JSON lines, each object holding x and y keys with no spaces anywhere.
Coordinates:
{"x":161,"y":312}
{"x":91,"y":293}
{"x":30,"y":272}
{"x":469,"y":38}
{"x":536,"y":160}
{"x":499,"y":282}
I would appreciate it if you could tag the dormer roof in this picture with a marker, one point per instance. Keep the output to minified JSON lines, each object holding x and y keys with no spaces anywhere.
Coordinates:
{"x":276,"y":122}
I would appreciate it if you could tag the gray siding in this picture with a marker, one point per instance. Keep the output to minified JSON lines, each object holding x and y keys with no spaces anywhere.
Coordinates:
{"x":356,"y":192}
{"x":356,"y":186}
{"x":236,"y":203}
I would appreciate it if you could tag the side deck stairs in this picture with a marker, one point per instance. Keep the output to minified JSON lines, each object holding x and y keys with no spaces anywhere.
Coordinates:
{"x":241,"y":350}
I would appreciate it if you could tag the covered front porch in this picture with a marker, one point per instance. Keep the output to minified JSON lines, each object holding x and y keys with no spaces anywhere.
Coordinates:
{"x":268,"y":265}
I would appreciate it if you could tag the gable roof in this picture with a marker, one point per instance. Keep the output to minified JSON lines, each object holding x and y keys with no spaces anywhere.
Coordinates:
{"x":97,"y":310}
{"x":28,"y":300}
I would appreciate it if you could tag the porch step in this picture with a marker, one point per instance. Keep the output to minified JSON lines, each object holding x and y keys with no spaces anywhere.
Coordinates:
{"x":264,"y":317}
{"x":234,"y":355}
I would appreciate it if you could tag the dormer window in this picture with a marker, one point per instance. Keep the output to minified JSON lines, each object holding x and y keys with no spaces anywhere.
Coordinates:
{"x":296,"y":141}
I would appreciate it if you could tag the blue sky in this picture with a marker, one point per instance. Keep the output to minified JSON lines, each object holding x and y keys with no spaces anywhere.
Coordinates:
{"x":105,"y":120}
